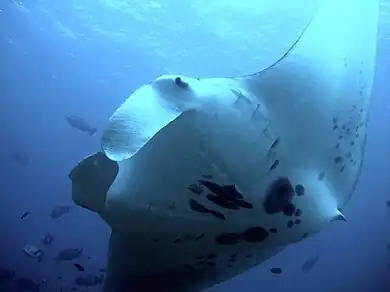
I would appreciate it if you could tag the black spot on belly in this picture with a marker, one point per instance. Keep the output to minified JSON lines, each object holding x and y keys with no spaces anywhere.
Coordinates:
{"x":177,"y":240}
{"x":338,"y":159}
{"x":232,"y":260}
{"x":290,"y":224}
{"x":273,"y":230}
{"x":289,"y":210}
{"x":199,"y":257}
{"x":243,"y":204}
{"x":276,"y":143}
{"x":217,"y":214}
{"x":228,"y":192}
{"x":279,"y":195}
{"x":222,"y":202}
{"x":305,"y":235}
{"x":227,"y":238}
{"x":298,"y":212}
{"x":276,"y":270}
{"x":195,"y":206}
{"x":196,"y":189}
{"x":321,"y":176}
{"x":255,"y":234}
{"x":188,"y":267}
{"x":211,"y":256}
{"x":207,"y":263}
{"x":298,"y":221}
{"x":274,"y":165}
{"x":299,"y":190}
{"x":248,"y":256}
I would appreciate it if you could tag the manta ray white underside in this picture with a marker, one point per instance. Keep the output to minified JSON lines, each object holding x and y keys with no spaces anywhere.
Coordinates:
{"x":202,"y":179}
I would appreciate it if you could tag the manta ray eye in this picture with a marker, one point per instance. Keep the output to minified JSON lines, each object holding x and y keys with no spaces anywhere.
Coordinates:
{"x":179,"y":82}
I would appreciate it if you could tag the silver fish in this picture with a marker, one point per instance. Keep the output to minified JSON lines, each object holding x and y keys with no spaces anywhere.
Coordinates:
{"x":69,"y":254}
{"x":309,"y":264}
{"x":58,"y":211}
{"x":80,"y":124}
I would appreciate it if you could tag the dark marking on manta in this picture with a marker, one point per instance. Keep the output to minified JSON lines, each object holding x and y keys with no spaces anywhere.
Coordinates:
{"x":251,"y":235}
{"x":274,"y":165}
{"x":196,"y":189}
{"x":254,"y":234}
{"x":276,"y":143}
{"x":227,"y":238}
{"x":338,"y":159}
{"x":279,"y":195}
{"x":273,"y":230}
{"x":197,"y":207}
{"x":211,"y":256}
{"x":289,"y":210}
{"x":299,"y":190}
{"x":244,"y":204}
{"x":225,"y":196}
{"x":222,"y":202}
{"x":298,"y":212}
{"x":321,"y":176}
{"x":228,"y":192}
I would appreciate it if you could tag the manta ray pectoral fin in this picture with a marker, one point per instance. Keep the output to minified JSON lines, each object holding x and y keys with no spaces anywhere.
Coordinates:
{"x":318,"y":95}
{"x":91,"y":178}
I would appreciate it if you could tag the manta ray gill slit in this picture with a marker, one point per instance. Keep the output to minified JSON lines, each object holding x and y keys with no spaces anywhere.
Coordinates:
{"x":182,"y":84}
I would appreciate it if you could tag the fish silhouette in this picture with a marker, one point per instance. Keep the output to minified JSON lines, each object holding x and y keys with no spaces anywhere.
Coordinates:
{"x":80,"y":124}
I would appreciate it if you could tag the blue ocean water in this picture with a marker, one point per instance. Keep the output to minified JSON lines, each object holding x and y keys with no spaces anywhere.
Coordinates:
{"x":63,"y":58}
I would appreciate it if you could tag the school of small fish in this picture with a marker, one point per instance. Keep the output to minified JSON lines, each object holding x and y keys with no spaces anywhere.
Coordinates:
{"x":87,"y":279}
{"x":11,"y":281}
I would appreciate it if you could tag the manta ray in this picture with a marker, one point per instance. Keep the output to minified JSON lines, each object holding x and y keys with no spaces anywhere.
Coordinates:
{"x":201,"y":179}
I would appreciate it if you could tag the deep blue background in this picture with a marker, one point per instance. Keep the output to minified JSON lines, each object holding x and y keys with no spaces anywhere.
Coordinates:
{"x":64,"y":58}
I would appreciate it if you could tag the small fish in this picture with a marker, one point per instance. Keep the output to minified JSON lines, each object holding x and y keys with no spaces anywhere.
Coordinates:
{"x":309,"y":264}
{"x":89,"y":280}
{"x":33,"y":252}
{"x":69,"y":254}
{"x":20,"y":158}
{"x":80,"y":124}
{"x":79,"y":267}
{"x":276,"y":270}
{"x":48,"y":239}
{"x":24,"y":215}
{"x":59,"y":211}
